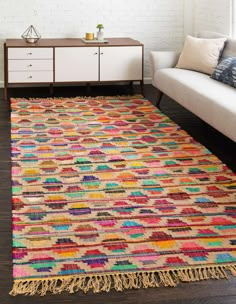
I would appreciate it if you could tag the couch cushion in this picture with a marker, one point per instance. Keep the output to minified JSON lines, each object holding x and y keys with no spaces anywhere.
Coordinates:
{"x":226,"y":71}
{"x":201,"y":54}
{"x":209,"y":99}
{"x":230,"y":48}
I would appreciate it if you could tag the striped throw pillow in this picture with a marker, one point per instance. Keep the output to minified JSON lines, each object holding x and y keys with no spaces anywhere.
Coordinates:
{"x":226,"y":71}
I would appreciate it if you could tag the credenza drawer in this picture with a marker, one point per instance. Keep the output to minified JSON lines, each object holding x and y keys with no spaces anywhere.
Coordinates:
{"x":30,"y":65}
{"x":31,"y":76}
{"x":30,"y":53}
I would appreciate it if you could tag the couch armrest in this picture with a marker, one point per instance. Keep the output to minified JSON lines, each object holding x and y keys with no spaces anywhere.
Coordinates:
{"x":163,"y":59}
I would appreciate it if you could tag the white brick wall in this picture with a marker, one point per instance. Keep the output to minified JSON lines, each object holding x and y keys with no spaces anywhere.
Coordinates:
{"x":213,"y":15}
{"x":156,"y":23}
{"x":189,"y":16}
{"x":234,"y":18}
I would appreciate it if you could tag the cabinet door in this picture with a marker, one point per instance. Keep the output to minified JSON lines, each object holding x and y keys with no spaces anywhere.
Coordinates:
{"x":76,"y":64}
{"x":121,"y":63}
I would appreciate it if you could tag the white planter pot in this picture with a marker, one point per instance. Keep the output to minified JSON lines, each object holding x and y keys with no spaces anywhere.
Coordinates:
{"x":100,"y":35}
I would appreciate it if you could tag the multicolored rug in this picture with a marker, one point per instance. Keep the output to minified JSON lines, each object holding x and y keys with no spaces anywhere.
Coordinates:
{"x":110,"y":193}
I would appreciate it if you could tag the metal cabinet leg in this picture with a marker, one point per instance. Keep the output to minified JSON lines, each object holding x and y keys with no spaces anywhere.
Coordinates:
{"x":5,"y":94}
{"x":88,"y":89}
{"x":142,"y":87}
{"x":51,"y":89}
{"x":131,"y":87}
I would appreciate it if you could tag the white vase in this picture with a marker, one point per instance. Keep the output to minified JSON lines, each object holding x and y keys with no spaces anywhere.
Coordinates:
{"x":100,"y":35}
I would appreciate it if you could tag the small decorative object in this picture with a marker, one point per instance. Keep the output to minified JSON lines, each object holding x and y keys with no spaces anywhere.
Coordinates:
{"x":100,"y":34}
{"x":89,"y":36}
{"x":31,"y":35}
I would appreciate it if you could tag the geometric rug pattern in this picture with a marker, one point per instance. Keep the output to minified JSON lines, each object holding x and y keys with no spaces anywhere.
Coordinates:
{"x":110,"y":193}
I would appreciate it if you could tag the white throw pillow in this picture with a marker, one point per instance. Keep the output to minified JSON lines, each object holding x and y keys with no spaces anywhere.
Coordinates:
{"x":200,"y":54}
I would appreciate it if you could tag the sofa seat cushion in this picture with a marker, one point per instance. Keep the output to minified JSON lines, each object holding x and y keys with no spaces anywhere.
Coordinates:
{"x":212,"y":101}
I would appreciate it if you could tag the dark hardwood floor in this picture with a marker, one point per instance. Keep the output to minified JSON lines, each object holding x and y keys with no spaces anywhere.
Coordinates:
{"x":208,"y":292}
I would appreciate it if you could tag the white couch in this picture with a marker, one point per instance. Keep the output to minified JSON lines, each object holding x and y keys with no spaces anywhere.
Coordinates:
{"x":213,"y":101}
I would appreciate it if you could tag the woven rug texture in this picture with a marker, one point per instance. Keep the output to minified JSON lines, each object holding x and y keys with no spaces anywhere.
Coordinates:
{"x":110,"y":193}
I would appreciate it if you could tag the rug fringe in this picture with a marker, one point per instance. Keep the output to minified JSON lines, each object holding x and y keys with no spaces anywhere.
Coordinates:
{"x":120,"y":281}
{"x":122,"y":97}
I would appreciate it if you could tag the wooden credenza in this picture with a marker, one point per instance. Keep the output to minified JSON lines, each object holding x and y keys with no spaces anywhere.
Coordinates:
{"x":55,"y":61}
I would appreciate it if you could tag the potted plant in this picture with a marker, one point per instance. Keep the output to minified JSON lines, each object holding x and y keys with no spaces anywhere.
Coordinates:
{"x":100,"y":33}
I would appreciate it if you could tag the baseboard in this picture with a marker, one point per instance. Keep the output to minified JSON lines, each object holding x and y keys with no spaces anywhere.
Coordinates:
{"x":147,"y":80}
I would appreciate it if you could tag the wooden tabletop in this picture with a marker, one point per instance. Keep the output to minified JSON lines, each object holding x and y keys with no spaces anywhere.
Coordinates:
{"x":64,"y":42}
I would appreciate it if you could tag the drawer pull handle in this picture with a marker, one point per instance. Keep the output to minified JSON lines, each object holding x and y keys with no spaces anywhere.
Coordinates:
{"x":95,"y":53}
{"x":30,"y":65}
{"x":101,"y":53}
{"x":29,"y":54}
{"x":30,"y":77}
